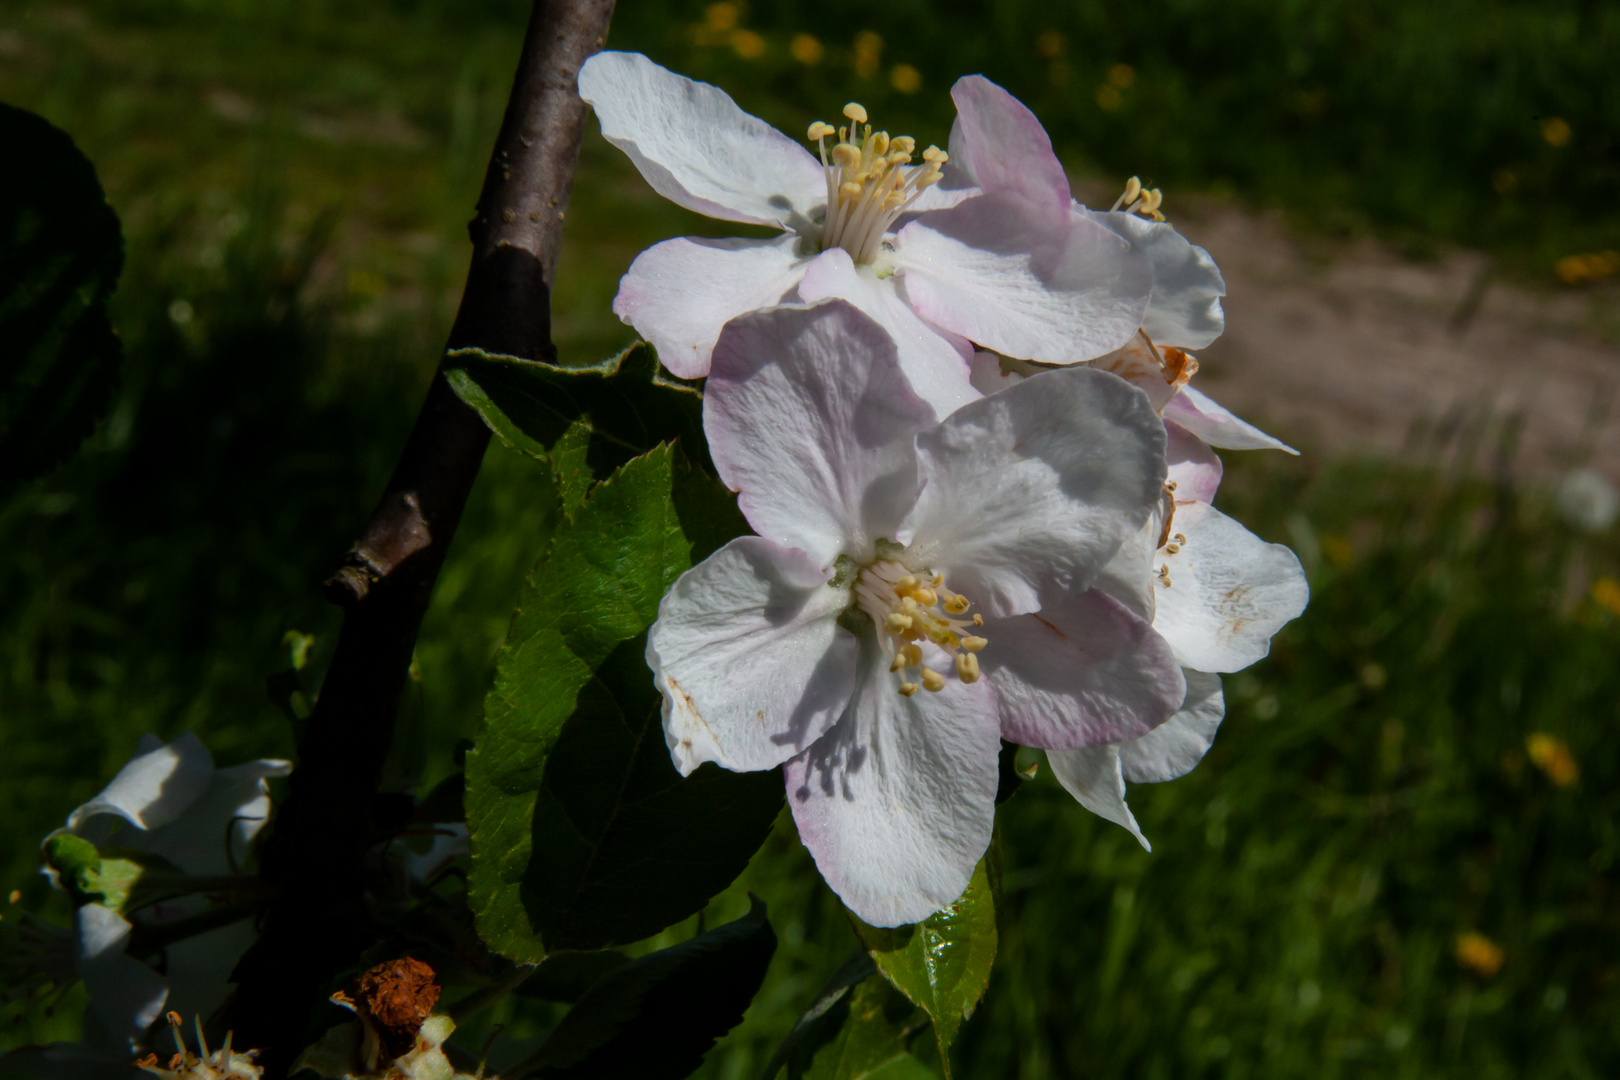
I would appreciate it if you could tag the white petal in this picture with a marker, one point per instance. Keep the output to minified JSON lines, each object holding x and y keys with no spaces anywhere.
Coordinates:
{"x":155,"y":788}
{"x":1229,"y":591}
{"x":750,"y":658}
{"x":1030,"y":492}
{"x":1187,"y":285}
{"x":1128,"y":576}
{"x":810,"y":420}
{"x":1193,"y":466}
{"x":678,"y":294}
{"x":896,"y":803}
{"x":999,"y":142}
{"x":989,"y":376}
{"x":232,"y":811}
{"x":125,"y":994}
{"x":935,"y":362}
{"x":1195,"y":411}
{"x":1092,"y":775}
{"x":1081,"y":672}
{"x":1000,"y":276}
{"x":1176,"y":746}
{"x":697,"y":148}
{"x":199,"y":968}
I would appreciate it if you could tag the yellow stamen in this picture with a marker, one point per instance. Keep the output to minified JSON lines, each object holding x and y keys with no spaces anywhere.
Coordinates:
{"x":932,"y":680}
{"x":967,"y":667}
{"x":907,"y":689}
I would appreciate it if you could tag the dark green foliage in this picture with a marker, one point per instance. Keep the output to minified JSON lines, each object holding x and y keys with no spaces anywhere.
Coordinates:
{"x":61,"y":250}
{"x":655,"y":1018}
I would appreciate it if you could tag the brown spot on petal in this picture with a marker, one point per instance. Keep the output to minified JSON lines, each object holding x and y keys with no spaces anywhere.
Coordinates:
{"x":398,"y":997}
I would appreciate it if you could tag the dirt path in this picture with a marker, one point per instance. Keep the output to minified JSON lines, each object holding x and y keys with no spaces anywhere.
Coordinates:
{"x":1341,"y":348}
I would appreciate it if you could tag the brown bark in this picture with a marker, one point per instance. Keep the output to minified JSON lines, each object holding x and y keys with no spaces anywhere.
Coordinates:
{"x":318,"y":923}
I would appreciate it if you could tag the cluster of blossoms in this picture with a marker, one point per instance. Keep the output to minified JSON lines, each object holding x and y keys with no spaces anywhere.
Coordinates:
{"x":954,"y":405}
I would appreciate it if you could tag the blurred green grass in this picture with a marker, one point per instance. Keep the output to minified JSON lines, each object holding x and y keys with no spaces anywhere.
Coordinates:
{"x":294,"y":178}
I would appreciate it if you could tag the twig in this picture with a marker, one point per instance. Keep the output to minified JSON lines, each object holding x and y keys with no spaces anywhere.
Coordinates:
{"x":318,"y":923}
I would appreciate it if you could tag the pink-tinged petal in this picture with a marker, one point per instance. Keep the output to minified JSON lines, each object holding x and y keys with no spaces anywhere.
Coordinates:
{"x":678,"y":294}
{"x":1195,"y":411}
{"x":1194,"y":468}
{"x":1092,"y":775}
{"x":995,"y":273}
{"x":1187,"y":285}
{"x":896,"y":803}
{"x":1080,"y":672}
{"x":998,"y":142}
{"x":1176,"y":746}
{"x":955,"y":187}
{"x":1030,"y":492}
{"x":935,"y":362}
{"x":697,"y":148}
{"x":750,"y":658}
{"x":155,"y":788}
{"x":126,"y":996}
{"x":810,"y":421}
{"x":1229,"y":591}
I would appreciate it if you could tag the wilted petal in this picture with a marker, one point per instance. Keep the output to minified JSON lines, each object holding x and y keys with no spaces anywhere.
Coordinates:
{"x":696,"y":147}
{"x":999,"y":143}
{"x":1000,"y":276}
{"x":1029,"y":493}
{"x":678,"y":294}
{"x":897,"y":801}
{"x":1174,"y":747}
{"x":935,"y":362}
{"x":1092,"y":775}
{"x":1195,"y":411}
{"x":1229,"y":591}
{"x":1080,"y":672}
{"x":810,"y":420}
{"x":1187,"y":285}
{"x":155,"y":788}
{"x":1193,"y":466}
{"x":125,"y":994}
{"x":750,"y":658}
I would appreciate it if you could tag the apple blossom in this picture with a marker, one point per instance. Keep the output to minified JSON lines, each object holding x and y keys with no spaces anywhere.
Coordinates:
{"x":843,"y":640}
{"x":1011,"y":270}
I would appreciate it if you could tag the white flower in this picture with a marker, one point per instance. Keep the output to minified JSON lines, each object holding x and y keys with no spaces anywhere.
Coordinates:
{"x":1218,"y":594}
{"x":170,"y":802}
{"x":1588,"y":501}
{"x":898,"y":559}
{"x":1012,"y":270}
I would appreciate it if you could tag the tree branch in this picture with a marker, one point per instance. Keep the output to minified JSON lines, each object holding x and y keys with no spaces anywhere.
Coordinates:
{"x":318,"y":923}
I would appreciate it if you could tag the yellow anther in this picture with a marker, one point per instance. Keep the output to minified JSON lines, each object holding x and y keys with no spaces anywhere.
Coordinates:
{"x":909,"y":605}
{"x":967,"y":667}
{"x":899,"y":157}
{"x":905,"y":144}
{"x":907,"y":689}
{"x":1169,"y":485}
{"x":974,"y":644}
{"x":820,"y":130}
{"x":897,"y":622}
{"x":855,"y":112}
{"x":912,"y":655}
{"x":937,"y":580}
{"x":906,"y":584}
{"x":898,"y":662}
{"x":846,"y":156}
{"x":932,"y":680}
{"x":1181,"y":538}
{"x":880,"y":143}
{"x":935,"y":156}
{"x":978,"y":620}
{"x":957,"y":604}
{"x":1172,"y":549}
{"x":1150,"y":204}
{"x":924,"y":597}
{"x":1133,"y":188}
{"x":849,"y":190}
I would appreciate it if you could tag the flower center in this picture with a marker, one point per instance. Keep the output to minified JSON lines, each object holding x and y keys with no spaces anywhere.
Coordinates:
{"x":908,"y":608}
{"x":1140,"y":200}
{"x":870,"y":182}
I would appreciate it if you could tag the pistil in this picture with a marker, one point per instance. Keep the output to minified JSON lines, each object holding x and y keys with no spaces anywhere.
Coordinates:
{"x":870,"y":182}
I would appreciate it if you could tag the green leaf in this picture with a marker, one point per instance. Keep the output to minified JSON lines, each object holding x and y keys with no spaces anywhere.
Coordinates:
{"x":566,"y":976}
{"x":656,"y":1017}
{"x":583,"y":834}
{"x":587,"y":421}
{"x":61,"y":251}
{"x":859,"y":1027}
{"x":943,"y":963}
